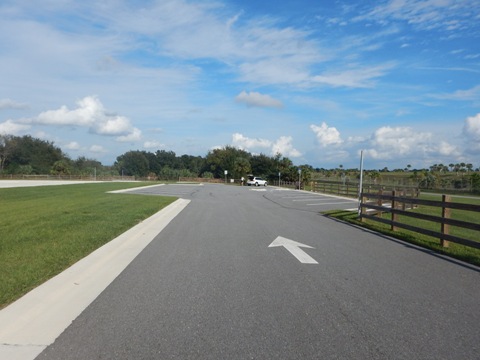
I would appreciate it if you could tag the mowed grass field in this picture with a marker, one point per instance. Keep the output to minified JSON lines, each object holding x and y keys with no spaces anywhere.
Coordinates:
{"x":458,"y":251}
{"x":46,"y":229}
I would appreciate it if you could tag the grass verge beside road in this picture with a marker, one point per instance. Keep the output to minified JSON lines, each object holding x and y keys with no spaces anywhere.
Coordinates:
{"x":44,"y":230}
{"x":461,"y":252}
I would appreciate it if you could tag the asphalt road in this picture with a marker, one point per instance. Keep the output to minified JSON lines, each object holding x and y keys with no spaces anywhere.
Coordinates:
{"x":210,"y":287}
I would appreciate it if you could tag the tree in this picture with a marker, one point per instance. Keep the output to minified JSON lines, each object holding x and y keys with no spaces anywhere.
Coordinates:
{"x":475,"y":181}
{"x":84,"y":167}
{"x":7,"y":145}
{"x":219,"y":160}
{"x":166,"y":158}
{"x":61,"y":167}
{"x":39,"y":154}
{"x":241,"y":168}
{"x":263,"y":165}
{"x":192,"y":163}
{"x":306,"y":173}
{"x":132,"y":163}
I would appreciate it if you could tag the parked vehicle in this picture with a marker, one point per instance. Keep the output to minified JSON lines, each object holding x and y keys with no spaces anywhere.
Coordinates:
{"x":256,"y":181}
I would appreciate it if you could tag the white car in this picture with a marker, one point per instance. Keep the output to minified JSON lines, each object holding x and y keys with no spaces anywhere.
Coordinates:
{"x":256,"y":181}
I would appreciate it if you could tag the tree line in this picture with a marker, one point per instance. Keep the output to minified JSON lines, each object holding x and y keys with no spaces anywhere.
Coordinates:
{"x":31,"y":156}
{"x":27,"y":155}
{"x":236,"y":162}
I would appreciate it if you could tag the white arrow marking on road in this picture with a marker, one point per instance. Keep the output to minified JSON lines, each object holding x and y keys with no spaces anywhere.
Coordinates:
{"x":294,"y":248}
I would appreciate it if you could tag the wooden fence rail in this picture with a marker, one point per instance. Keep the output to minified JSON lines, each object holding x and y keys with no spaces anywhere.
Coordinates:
{"x":398,"y":205}
{"x":350,"y":189}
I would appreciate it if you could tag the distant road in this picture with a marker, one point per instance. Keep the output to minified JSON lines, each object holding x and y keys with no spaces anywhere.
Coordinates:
{"x":258,"y":273}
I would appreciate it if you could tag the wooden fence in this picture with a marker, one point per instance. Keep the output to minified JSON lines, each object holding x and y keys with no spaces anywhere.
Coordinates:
{"x":201,"y":180}
{"x":350,"y":189}
{"x":398,"y":204}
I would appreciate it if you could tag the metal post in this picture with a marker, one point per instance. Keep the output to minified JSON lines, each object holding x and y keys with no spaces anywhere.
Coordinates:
{"x":360,"y":185}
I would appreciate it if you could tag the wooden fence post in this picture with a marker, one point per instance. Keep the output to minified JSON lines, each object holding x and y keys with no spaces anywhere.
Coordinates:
{"x":394,"y":206}
{"x":445,"y":215}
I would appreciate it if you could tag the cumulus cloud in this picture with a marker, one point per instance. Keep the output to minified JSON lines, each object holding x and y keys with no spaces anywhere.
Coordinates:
{"x":10,"y":127}
{"x":471,"y":130}
{"x":153,"y":145}
{"x":242,"y":142}
{"x":73,"y":145}
{"x":282,"y":145}
{"x":326,"y":135}
{"x":97,"y":149}
{"x":393,"y":142}
{"x":258,"y":100}
{"x":389,"y":142}
{"x":91,"y":113}
{"x":285,"y":147}
{"x":134,"y":135}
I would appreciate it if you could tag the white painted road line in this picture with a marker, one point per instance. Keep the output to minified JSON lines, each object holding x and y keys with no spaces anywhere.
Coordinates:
{"x":34,"y":321}
{"x":310,"y":199}
{"x":333,"y":203}
{"x":134,"y":189}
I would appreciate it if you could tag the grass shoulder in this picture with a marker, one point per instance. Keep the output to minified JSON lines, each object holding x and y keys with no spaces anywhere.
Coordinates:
{"x":464,"y":253}
{"x":47,"y":229}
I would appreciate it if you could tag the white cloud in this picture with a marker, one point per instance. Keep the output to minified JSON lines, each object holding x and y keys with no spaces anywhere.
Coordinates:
{"x":91,"y":113}
{"x":242,"y":142}
{"x":446,"y":149}
{"x":153,"y":145}
{"x":73,"y":145}
{"x":353,"y":78}
{"x":285,"y":147}
{"x":258,"y":100}
{"x":396,"y":142}
{"x":10,"y":127}
{"x":471,"y":130}
{"x":274,"y":70}
{"x":97,"y":149}
{"x":389,"y":142}
{"x":424,"y":14}
{"x":282,"y":145}
{"x":472,"y":94}
{"x":134,"y":135}
{"x":326,"y":135}
{"x":10,"y":104}
{"x":113,"y":125}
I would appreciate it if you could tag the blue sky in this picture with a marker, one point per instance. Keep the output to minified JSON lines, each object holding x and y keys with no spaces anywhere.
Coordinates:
{"x":317,"y":81}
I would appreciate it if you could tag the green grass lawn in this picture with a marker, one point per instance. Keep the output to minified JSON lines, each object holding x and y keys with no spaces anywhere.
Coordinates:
{"x":458,"y":251}
{"x":44,"y":230}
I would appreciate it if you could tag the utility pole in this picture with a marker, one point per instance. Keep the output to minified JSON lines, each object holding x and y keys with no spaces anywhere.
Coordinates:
{"x":360,"y":185}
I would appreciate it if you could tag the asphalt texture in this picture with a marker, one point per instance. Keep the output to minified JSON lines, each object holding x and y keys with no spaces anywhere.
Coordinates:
{"x":209,"y":287}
